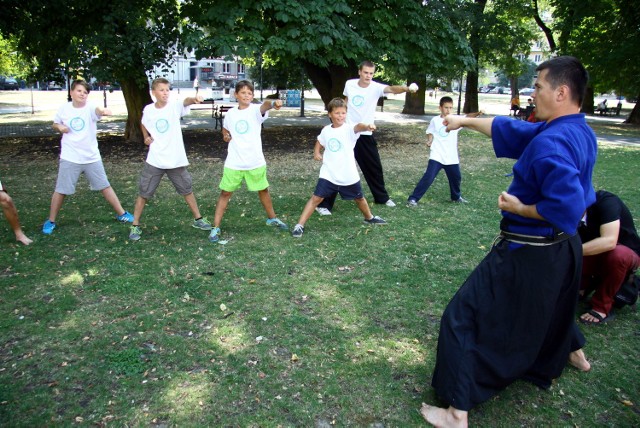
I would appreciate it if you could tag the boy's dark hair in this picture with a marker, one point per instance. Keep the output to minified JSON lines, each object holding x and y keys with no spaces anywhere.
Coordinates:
{"x":445,"y":100}
{"x":366,"y":64}
{"x":567,"y":70}
{"x":159,"y":80}
{"x":335,"y":103}
{"x":244,"y":84}
{"x":82,"y":83}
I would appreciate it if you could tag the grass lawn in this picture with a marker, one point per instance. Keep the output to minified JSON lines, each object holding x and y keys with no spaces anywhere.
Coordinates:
{"x":339,"y":327}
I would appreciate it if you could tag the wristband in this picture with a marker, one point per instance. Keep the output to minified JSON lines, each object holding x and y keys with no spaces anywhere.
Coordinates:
{"x":273,"y":103}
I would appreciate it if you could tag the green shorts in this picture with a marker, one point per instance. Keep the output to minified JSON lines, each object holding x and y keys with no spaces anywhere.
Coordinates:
{"x":256,"y":179}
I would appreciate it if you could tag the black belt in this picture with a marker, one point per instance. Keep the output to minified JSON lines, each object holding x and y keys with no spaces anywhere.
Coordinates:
{"x":520,"y":238}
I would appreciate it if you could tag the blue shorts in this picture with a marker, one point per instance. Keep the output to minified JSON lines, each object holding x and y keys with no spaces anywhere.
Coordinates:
{"x":325,"y":189}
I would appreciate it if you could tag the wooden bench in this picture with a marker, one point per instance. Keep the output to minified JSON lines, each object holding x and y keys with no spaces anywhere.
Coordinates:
{"x":218,"y":112}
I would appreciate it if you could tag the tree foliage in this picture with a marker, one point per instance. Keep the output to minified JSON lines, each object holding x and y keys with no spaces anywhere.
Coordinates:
{"x":119,"y":42}
{"x":605,"y":36}
{"x":329,"y":38}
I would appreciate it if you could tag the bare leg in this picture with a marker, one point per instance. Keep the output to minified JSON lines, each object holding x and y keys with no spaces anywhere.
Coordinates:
{"x":364,"y":208}
{"x":307,"y":211}
{"x":137,"y":210}
{"x":578,"y":360}
{"x":10,"y":212}
{"x":440,"y":417}
{"x":221,"y":207}
{"x":265,"y":199}
{"x":193,"y":205}
{"x":56,"y":203}
{"x":111,"y":197}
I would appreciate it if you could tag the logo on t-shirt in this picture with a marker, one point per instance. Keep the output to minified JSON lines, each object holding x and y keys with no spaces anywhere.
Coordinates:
{"x":242,"y":127}
{"x":77,"y":124}
{"x":162,"y":125}
{"x":443,"y":131}
{"x":334,"y":144}
{"x":358,"y":100}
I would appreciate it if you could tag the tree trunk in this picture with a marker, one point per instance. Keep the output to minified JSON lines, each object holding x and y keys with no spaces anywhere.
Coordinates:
{"x":135,"y":99}
{"x":514,"y":85}
{"x":634,"y":117}
{"x":414,"y":103}
{"x":329,"y":81}
{"x":471,"y":95}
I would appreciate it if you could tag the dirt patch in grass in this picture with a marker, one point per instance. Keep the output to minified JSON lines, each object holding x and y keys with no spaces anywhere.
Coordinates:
{"x":199,"y":143}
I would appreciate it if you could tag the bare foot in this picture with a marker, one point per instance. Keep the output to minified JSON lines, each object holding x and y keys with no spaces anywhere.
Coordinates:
{"x":578,"y":360}
{"x":439,"y":417}
{"x":21,"y":237}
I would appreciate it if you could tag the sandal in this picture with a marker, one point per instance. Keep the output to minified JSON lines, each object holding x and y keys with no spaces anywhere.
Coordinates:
{"x":600,"y":318}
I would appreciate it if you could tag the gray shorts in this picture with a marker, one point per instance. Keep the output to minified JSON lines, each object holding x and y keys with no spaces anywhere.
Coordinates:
{"x":69,"y":173}
{"x":151,"y":176}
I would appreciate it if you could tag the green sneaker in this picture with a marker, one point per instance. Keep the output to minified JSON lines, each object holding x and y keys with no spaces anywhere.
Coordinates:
{"x":202,"y":224}
{"x":134,"y":233}
{"x":277,"y":223}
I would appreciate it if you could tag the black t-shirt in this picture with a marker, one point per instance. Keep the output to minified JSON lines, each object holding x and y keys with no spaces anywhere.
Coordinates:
{"x":606,"y":209}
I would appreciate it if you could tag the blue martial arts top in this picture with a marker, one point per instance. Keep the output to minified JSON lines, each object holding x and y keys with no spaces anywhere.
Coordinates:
{"x":553,"y":170}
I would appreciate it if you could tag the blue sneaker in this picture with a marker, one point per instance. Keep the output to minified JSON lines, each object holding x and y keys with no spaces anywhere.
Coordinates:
{"x":277,"y":223}
{"x":202,"y":224}
{"x":125,"y":217}
{"x":47,"y":227}
{"x":214,"y":236}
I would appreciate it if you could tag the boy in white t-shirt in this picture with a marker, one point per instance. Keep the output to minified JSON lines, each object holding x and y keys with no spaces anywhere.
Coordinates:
{"x":167,"y":155}
{"x":444,"y":155}
{"x":245,"y":160}
{"x":338,"y":173}
{"x":79,"y":154}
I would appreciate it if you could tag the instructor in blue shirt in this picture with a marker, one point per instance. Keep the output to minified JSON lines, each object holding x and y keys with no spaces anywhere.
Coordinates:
{"x":514,"y":317}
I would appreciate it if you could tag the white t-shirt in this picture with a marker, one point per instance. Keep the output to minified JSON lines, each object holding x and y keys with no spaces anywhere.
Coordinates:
{"x":362,"y":101}
{"x":338,"y":160}
{"x":167,"y":150}
{"x":80,"y":144}
{"x":444,"y":148}
{"x":245,"y":147}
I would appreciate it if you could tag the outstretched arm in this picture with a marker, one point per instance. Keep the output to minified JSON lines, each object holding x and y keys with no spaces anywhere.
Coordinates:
{"x":362,"y":127}
{"x":100,"y":111}
{"x":192,"y":100}
{"x":482,"y":125}
{"x":269,"y":104}
{"x":397,"y":89}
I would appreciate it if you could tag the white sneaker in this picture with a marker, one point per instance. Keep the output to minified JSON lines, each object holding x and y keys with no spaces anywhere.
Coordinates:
{"x":323,"y":211}
{"x":390,"y":203}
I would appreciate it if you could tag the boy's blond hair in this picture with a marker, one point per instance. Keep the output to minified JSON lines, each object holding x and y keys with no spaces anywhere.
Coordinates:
{"x":157,"y":81}
{"x":335,"y":103}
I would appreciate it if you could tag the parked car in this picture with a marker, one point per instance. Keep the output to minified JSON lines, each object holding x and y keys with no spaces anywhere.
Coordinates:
{"x":53,"y":86}
{"x":9,"y":84}
{"x":526,"y":91}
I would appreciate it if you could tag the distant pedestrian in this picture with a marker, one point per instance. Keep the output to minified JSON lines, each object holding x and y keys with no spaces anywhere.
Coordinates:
{"x":196,"y":85}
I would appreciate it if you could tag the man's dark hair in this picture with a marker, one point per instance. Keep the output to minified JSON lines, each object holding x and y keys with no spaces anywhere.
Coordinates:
{"x":567,"y":70}
{"x":445,"y":100}
{"x":366,"y":64}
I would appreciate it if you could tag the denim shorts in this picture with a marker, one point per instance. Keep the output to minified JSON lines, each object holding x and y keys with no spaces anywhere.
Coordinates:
{"x":325,"y":188}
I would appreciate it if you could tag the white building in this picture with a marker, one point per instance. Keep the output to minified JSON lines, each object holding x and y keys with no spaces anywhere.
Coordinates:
{"x":211,"y":72}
